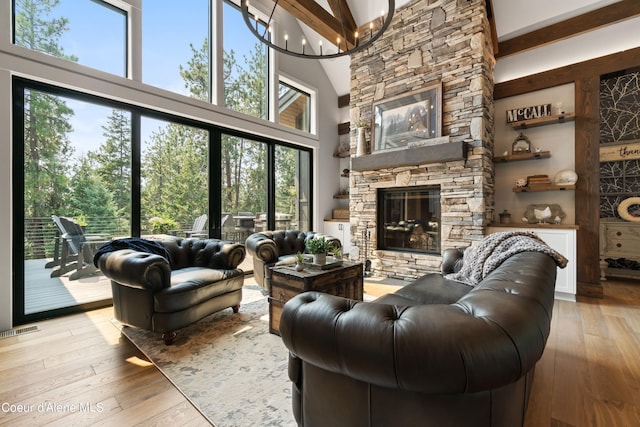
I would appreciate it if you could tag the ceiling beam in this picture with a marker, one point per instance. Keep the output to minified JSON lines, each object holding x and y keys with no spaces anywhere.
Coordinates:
{"x":321,"y":21}
{"x":342,"y":12}
{"x":607,"y":15}
{"x":492,"y":25}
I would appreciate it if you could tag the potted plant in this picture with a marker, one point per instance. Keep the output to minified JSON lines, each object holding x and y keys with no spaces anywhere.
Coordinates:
{"x":337,"y":253}
{"x":505,"y":217}
{"x":319,"y":247}
{"x":299,"y":261}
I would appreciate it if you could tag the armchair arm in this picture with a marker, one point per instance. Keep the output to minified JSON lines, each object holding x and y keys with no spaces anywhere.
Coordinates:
{"x":232,"y":253}
{"x":425,"y":348}
{"x":136,"y":269}
{"x":262,"y":246}
{"x":452,"y":260}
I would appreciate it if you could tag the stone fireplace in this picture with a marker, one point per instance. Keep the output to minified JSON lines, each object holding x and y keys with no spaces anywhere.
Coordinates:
{"x":449,"y":42}
{"x":409,"y":219}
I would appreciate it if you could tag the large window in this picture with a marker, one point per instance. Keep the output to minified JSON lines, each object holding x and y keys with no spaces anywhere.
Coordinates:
{"x":292,"y":188}
{"x":175,"y":46}
{"x":174,"y":177}
{"x":294,"y":107}
{"x":91,"y":33}
{"x":245,"y":66}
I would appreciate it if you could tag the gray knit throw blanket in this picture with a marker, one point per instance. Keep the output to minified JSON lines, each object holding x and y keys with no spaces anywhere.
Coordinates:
{"x":482,"y":258}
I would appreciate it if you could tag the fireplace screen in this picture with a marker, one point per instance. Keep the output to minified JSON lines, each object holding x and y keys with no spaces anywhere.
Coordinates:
{"x":409,"y":219}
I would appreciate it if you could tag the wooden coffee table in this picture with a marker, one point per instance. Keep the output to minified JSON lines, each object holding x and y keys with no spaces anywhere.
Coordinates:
{"x":343,"y":281}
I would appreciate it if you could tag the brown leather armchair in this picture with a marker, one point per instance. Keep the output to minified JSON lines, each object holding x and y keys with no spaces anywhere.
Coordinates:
{"x":151,"y":292}
{"x":436,"y":352}
{"x":269,"y":248}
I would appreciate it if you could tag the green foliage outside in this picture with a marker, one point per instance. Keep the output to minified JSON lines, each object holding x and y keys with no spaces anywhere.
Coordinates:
{"x":96,"y":186}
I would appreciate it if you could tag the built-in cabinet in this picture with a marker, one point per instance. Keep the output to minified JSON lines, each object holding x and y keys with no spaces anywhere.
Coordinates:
{"x":562,"y":240}
{"x":341,"y":230}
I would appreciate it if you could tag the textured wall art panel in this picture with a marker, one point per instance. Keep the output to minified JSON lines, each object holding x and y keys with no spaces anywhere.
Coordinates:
{"x":620,"y":108}
{"x":619,"y":121}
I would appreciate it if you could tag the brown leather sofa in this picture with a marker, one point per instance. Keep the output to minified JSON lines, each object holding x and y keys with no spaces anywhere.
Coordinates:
{"x":163,"y":295}
{"x":434,"y":353}
{"x":269,"y":248}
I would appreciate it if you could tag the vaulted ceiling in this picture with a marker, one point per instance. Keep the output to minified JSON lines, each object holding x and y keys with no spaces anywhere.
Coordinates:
{"x":517,"y":25}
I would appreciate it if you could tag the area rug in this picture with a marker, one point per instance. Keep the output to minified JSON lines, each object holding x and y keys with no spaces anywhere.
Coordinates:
{"x":228,"y":365}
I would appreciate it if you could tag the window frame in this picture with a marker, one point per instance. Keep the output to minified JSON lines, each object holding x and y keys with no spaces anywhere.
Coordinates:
{"x":20,"y":84}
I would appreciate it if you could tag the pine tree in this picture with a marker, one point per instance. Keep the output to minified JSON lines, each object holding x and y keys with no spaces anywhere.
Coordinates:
{"x":46,"y":144}
{"x":113,"y":160}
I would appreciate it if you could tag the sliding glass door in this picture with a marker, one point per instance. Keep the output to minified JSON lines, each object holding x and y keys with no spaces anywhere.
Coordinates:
{"x":94,"y":170}
{"x":76,"y":187}
{"x":174,"y":176}
{"x":292,"y":188}
{"x":244,"y":187}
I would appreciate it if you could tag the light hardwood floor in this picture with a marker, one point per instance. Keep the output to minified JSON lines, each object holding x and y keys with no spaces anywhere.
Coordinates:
{"x":589,"y":374}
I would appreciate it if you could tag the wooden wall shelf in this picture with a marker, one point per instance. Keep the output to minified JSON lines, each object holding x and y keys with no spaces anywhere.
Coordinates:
{"x":543,"y":121}
{"x":547,"y":187}
{"x":522,"y":156}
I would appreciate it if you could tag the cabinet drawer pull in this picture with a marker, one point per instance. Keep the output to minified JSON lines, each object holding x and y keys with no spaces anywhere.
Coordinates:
{"x":619,"y":245}
{"x":618,"y":234}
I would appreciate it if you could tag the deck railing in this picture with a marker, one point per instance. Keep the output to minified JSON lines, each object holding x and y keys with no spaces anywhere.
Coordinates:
{"x":40,"y":233}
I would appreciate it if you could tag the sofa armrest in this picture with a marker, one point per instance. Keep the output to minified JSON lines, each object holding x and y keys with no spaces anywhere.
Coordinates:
{"x":262,"y":246}
{"x":233,"y":254}
{"x":136,"y":269}
{"x":452,"y":260}
{"x":425,"y":348}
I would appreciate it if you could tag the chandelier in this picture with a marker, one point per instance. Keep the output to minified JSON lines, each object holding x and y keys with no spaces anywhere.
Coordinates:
{"x":340,"y":31}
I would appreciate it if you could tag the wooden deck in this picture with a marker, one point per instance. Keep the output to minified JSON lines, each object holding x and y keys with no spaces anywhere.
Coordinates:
{"x":44,"y":293}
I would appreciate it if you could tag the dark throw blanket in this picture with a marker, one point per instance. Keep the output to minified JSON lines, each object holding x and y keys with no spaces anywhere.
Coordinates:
{"x":483,"y":257}
{"x":135,"y":243}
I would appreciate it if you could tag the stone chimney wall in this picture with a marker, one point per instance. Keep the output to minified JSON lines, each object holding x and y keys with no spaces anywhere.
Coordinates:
{"x":447,"y":41}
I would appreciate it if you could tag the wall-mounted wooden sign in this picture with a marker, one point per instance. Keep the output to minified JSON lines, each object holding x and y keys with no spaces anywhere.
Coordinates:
{"x":623,"y":151}
{"x":528,"y":113}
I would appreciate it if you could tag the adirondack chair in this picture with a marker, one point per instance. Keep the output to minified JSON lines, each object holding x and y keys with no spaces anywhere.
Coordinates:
{"x":74,"y":249}
{"x":197,"y":230}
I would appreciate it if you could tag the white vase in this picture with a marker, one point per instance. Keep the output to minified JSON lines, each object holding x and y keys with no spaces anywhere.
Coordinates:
{"x":361,"y":147}
{"x":320,"y":259}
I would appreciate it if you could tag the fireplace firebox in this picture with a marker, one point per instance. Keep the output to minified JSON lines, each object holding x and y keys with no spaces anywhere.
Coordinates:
{"x":409,"y":219}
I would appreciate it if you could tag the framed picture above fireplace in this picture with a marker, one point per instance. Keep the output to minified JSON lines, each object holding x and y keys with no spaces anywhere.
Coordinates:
{"x":408,"y":118}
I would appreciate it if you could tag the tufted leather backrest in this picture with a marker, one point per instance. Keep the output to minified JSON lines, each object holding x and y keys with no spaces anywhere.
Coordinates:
{"x":210,"y":253}
{"x":488,"y":338}
{"x":270,"y":245}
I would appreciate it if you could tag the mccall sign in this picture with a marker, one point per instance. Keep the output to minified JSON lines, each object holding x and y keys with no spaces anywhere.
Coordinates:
{"x":528,"y":113}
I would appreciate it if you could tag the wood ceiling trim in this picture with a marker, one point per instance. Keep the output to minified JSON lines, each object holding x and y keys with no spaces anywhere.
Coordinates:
{"x":492,"y":25}
{"x":321,"y":21}
{"x":619,"y":11}
{"x":629,"y":59}
{"x":340,"y":8}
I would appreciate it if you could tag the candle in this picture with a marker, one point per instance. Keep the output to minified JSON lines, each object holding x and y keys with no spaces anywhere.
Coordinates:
{"x":338,"y":43}
{"x":320,"y":47}
{"x":304,"y":42}
{"x":356,"y":39}
{"x":286,"y":41}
